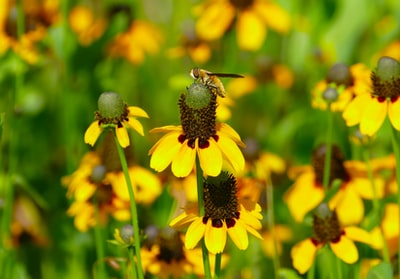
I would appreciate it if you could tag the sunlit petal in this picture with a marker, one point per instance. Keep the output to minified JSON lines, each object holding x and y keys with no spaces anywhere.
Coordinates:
{"x":122,"y":136}
{"x":231,"y":152}
{"x":345,"y":249}
{"x":135,"y":125}
{"x":350,"y":207}
{"x":194,"y":233}
{"x":303,"y":255}
{"x":251,"y":30}
{"x":238,"y":234}
{"x":164,"y":151}
{"x":137,"y":112}
{"x":354,"y":111}
{"x":210,"y":159}
{"x":357,"y":234}
{"x":92,"y":133}
{"x":215,"y":238}
{"x":373,"y":117}
{"x":183,"y":162}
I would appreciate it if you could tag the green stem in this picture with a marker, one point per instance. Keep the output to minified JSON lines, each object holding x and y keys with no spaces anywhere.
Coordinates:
{"x":338,"y":268}
{"x":396,"y":150}
{"x":375,"y":202}
{"x":217,"y":268}
{"x":328,"y":154}
{"x":99,"y":242}
{"x":134,"y":215}
{"x":200,"y":200}
{"x":311,"y":271}
{"x":132,"y":258}
{"x":271,"y":225}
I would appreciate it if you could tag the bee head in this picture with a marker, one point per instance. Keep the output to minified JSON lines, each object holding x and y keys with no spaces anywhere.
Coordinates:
{"x":195,"y":73}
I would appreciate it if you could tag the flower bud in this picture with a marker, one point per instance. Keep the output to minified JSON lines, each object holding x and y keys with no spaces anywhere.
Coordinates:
{"x":388,"y":68}
{"x":330,"y":94}
{"x":111,"y":105}
{"x":340,"y":75}
{"x":198,"y":96}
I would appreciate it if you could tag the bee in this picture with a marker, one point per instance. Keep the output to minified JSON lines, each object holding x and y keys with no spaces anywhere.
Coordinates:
{"x":211,"y":80}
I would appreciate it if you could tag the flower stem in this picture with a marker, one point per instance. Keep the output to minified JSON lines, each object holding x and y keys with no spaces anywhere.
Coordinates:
{"x":328,"y":154}
{"x":217,"y":268}
{"x":200,"y":200}
{"x":99,"y":242}
{"x":271,"y":225}
{"x":134,"y":215}
{"x":375,"y":202}
{"x":396,"y":150}
{"x":132,"y":258}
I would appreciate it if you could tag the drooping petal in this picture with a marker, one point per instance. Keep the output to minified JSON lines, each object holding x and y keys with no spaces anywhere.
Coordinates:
{"x":345,"y":249}
{"x":238,"y":234}
{"x":231,"y":152}
{"x":227,"y":130}
{"x":210,"y":159}
{"x":135,"y":125}
{"x":394,"y":113}
{"x":137,"y":112}
{"x":194,"y":233}
{"x":182,"y":220}
{"x":215,"y":20}
{"x":183,"y":162}
{"x":215,"y":238}
{"x":354,"y":111}
{"x":373,"y":117}
{"x":357,"y":234}
{"x":303,"y":255}
{"x":122,"y":136}
{"x":251,"y":30}
{"x":168,"y":128}
{"x":275,"y":17}
{"x":164,"y":151}
{"x":304,"y":189}
{"x":349,"y":207}
{"x":92,"y":133}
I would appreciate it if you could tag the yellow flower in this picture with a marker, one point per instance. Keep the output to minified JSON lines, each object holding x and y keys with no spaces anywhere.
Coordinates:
{"x":113,"y":112}
{"x":369,"y":110}
{"x":142,"y":38}
{"x":175,"y":149}
{"x":348,"y":201}
{"x":253,"y":17}
{"x":85,"y":25}
{"x":165,"y":256}
{"x":38,"y":16}
{"x":279,"y":234}
{"x":349,"y":82}
{"x":224,"y":214}
{"x":96,"y":177}
{"x":327,"y":231}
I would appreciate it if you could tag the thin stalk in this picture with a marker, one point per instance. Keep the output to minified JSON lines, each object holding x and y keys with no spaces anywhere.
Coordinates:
{"x":328,"y":154}
{"x":98,"y":235}
{"x":132,"y":258}
{"x":375,"y":202}
{"x":271,"y":225}
{"x":200,"y":200}
{"x":134,"y":215}
{"x":217,"y":268}
{"x":311,"y":272}
{"x":396,"y":150}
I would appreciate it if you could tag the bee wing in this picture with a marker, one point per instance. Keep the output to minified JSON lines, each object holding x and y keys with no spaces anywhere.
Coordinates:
{"x":225,"y":75}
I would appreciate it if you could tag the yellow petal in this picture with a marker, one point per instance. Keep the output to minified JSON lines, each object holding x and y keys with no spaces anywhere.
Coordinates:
{"x":215,"y":20}
{"x":227,"y":130}
{"x":238,"y":87}
{"x":148,"y":186}
{"x":251,"y":30}
{"x":164,"y":151}
{"x":352,"y":114}
{"x":84,"y":191}
{"x":238,"y":234}
{"x":92,"y":133}
{"x":138,"y":112}
{"x":194,"y":233}
{"x":303,"y":255}
{"x":357,"y":234}
{"x":215,"y":238}
{"x":183,"y":162}
{"x":345,"y":249}
{"x":135,"y":125}
{"x":231,"y":152}
{"x":304,"y":189}
{"x":122,"y":136}
{"x":394,"y":113}
{"x":373,"y":117}
{"x":210,"y":159}
{"x":275,"y":17}
{"x":350,"y":207}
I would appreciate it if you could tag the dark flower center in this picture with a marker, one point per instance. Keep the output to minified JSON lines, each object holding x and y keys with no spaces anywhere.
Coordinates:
{"x":337,"y":169}
{"x":220,"y":200}
{"x":242,"y":4}
{"x":340,"y":75}
{"x":389,"y":89}
{"x":198,"y":123}
{"x":326,"y":226}
{"x":171,"y":246}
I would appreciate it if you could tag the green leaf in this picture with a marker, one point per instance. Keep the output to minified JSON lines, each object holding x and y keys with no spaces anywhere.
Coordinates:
{"x":381,"y":271}
{"x":285,"y":273}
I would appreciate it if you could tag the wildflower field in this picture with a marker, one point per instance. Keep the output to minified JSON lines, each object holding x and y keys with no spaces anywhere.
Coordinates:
{"x":199,"y":139}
